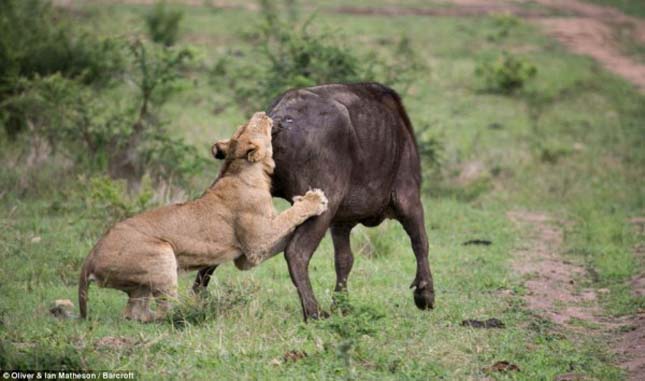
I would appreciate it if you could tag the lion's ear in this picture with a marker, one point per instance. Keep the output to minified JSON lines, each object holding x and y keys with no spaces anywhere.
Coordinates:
{"x":220,"y":149}
{"x":255,"y":151}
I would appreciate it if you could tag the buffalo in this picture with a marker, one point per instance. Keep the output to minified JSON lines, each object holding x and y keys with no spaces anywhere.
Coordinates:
{"x":356,"y":143}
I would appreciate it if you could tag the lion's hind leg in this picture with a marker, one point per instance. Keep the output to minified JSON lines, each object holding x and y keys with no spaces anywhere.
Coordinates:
{"x":164,"y":287}
{"x":138,"y":307}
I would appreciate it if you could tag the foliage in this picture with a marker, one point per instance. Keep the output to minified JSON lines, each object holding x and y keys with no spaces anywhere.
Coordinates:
{"x":89,"y":124}
{"x":36,"y":42}
{"x":163,"y":24}
{"x":503,"y":26}
{"x":295,"y":56}
{"x":404,"y":68}
{"x":147,"y":147}
{"x":156,"y":72}
{"x":107,"y":199}
{"x":65,"y":113}
{"x":505,"y":73}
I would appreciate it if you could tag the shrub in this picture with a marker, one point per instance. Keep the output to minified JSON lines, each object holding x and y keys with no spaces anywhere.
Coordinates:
{"x":503,"y":25}
{"x":430,"y":146}
{"x":404,"y":68}
{"x":163,"y":24}
{"x":292,"y":56}
{"x":155,"y":72}
{"x":505,"y":73}
{"x":108,"y":200}
{"x":117,"y":128}
{"x":35,"y":41}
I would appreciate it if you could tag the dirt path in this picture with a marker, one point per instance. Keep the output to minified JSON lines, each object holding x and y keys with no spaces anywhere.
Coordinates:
{"x":587,"y":29}
{"x":633,"y":341}
{"x":552,"y":292}
{"x":552,"y":281}
{"x":592,"y":31}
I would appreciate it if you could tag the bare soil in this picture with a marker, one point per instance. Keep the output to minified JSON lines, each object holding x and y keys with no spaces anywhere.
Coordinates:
{"x":584,"y":28}
{"x":596,"y":39}
{"x":472,"y":9}
{"x":552,"y":281}
{"x":553,"y":294}
{"x":630,"y":346}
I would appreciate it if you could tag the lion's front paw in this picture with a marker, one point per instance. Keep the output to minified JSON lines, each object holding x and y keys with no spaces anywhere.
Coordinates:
{"x":315,"y":199}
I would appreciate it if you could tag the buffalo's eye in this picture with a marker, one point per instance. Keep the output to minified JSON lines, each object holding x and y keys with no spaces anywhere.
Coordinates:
{"x":288,"y":119}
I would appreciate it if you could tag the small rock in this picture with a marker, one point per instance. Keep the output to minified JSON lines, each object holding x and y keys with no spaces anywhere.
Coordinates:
{"x":577,"y":146}
{"x":36,"y":239}
{"x":275,"y":362}
{"x":62,"y":309}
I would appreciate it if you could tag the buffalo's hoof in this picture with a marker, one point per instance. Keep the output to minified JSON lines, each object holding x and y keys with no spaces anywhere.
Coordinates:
{"x":424,"y":298}
{"x":319,"y":315}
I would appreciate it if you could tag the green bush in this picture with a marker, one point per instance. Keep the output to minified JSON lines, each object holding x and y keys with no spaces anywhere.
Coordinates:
{"x":505,"y":73}
{"x":106,"y":199}
{"x":163,"y":24}
{"x":292,"y":56}
{"x":503,"y":25}
{"x":111,"y":127}
{"x":36,"y":41}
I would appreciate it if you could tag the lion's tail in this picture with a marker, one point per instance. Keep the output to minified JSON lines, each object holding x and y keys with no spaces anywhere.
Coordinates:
{"x":83,"y":286}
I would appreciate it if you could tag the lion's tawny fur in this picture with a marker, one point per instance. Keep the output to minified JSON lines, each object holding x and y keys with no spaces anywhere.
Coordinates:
{"x":233,"y":220}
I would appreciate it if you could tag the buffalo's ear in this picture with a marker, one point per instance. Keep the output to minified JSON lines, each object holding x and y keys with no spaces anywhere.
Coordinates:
{"x":220,"y":149}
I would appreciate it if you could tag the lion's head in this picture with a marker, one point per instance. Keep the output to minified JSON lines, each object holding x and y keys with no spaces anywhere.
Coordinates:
{"x":251,"y":141}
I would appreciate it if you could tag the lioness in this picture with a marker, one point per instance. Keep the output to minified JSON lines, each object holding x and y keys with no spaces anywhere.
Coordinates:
{"x":233,"y":220}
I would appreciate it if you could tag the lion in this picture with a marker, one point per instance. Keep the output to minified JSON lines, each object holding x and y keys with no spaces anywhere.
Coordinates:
{"x":233,"y":220}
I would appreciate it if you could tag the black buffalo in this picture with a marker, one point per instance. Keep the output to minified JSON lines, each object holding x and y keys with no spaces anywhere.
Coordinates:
{"x":356,"y":143}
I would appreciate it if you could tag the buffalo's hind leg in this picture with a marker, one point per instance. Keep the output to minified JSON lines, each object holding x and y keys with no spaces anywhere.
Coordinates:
{"x":409,"y":212}
{"x":201,"y":280}
{"x":343,"y":261}
{"x":343,"y":257}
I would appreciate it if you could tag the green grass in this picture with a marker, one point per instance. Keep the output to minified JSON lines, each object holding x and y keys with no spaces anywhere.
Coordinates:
{"x":630,"y":7}
{"x":570,"y":144}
